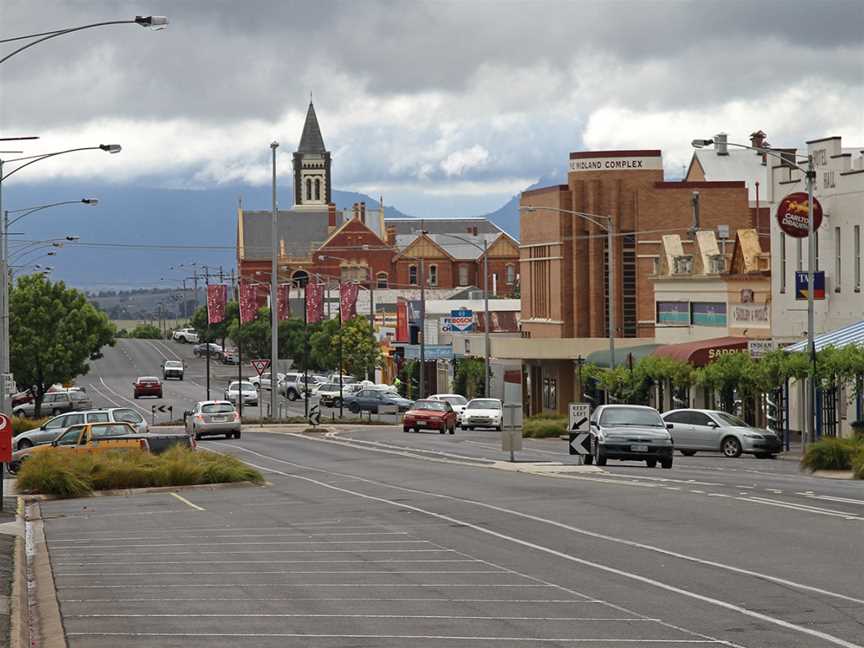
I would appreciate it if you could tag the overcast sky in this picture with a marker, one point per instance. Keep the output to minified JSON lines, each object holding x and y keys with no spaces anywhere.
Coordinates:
{"x":441,"y":106}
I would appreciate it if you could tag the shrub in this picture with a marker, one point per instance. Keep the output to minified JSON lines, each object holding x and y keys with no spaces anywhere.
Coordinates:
{"x":67,"y":475}
{"x":543,"y":426}
{"x":146,"y":332}
{"x":831,"y":453}
{"x":22,"y":424}
{"x":858,"y":463}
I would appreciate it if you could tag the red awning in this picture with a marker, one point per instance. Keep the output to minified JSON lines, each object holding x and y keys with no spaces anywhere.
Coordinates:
{"x":702,"y":352}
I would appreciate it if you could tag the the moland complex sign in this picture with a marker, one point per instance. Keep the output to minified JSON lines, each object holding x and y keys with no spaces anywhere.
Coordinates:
{"x":652,"y":163}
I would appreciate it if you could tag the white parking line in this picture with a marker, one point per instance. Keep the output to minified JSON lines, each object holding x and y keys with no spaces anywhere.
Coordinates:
{"x":249,"y":544}
{"x":121,"y":555}
{"x":270,"y":561}
{"x":561,"y":525}
{"x":401,"y":599}
{"x":243,"y":536}
{"x":278,"y":615}
{"x":766,"y":618}
{"x":303,"y":585}
{"x":187,"y":502}
{"x":105,"y":574}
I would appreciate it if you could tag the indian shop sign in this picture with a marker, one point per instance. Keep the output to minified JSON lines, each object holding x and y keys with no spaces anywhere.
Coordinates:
{"x":793,"y":214}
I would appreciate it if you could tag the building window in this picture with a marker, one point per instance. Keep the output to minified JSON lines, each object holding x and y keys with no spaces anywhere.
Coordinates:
{"x":357,"y":274}
{"x":308,"y":188}
{"x":708,"y":314}
{"x":550,"y":393}
{"x":673,"y":313}
{"x":857,"y":258}
{"x":381,"y":280}
{"x":782,"y":262}
{"x":433,"y":275}
{"x":510,"y":274}
{"x":412,"y":275}
{"x":463,"y":275}
{"x":317,"y":189}
{"x":628,"y":285}
{"x":838,"y":266}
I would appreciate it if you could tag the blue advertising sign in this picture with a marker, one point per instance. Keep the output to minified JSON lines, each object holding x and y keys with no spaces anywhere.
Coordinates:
{"x":460,"y":321}
{"x":801,"y":285}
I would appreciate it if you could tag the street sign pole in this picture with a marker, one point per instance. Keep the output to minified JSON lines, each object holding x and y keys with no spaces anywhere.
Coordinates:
{"x":5,"y":449}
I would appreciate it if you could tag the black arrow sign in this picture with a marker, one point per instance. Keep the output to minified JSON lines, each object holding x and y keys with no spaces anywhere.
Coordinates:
{"x":580,"y":443}
{"x":577,"y":425}
{"x":162,"y":408}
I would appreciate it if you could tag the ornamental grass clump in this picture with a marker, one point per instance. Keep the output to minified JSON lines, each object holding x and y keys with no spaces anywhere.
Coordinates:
{"x":76,"y":475}
{"x":858,"y":464}
{"x":539,"y":427}
{"x":831,"y":453}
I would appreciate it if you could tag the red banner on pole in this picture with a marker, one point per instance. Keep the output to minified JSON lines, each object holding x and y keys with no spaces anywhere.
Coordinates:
{"x":284,"y":301}
{"x":348,"y":300}
{"x":217,"y":297}
{"x":248,"y":303}
{"x":314,"y":302}
{"x":402,"y":334}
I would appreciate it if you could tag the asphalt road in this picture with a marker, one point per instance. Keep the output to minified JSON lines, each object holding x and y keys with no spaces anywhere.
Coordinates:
{"x":385,"y":539}
{"x":109,"y":381}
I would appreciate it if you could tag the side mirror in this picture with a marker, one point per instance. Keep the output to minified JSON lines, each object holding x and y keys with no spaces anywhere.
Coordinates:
{"x":713,"y":424}
{"x":54,"y":443}
{"x":594,"y":424}
{"x":669,"y":426}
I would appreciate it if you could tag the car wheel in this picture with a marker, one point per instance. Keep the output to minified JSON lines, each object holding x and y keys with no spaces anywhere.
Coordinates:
{"x":498,"y":428}
{"x":443,"y":430}
{"x":135,"y":396}
{"x":666,"y":463}
{"x":452,"y":429}
{"x":599,"y":457}
{"x":24,"y":444}
{"x":731,"y":447}
{"x":354,"y":409}
{"x":236,"y":435}
{"x":687,"y":453}
{"x":652,"y":463}
{"x":292,"y":395}
{"x":197,"y":436}
{"x":763,"y":455}
{"x":19,"y":413}
{"x":405,"y":429}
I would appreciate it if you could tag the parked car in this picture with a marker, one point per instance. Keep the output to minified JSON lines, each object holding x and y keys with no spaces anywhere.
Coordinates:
{"x":329,"y":394}
{"x":263,"y":381}
{"x":231,"y":357}
{"x":56,"y":402}
{"x":187,"y":335}
{"x":369,"y":400}
{"x":172,"y":369}
{"x":201,"y":350}
{"x":51,"y":428}
{"x":245,"y":390}
{"x":456,"y":401}
{"x":147,"y":386}
{"x":629,"y":433}
{"x":102,"y":437}
{"x":334,"y":378}
{"x":695,"y":430}
{"x":292,"y":385}
{"x":482,"y":413}
{"x":430,"y":414}
{"x":213,"y":417}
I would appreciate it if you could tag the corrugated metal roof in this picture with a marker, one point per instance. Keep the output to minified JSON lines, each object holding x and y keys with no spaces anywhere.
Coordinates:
{"x":740,"y":164}
{"x":461,"y":250}
{"x":457,"y":225}
{"x":842,"y":337}
{"x":300,"y":229}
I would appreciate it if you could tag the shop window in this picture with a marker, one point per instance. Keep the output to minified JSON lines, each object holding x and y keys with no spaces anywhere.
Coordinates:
{"x":412,"y":275}
{"x":381,"y":280}
{"x":673,"y":313}
{"x":708,"y":314}
{"x":550,"y":393}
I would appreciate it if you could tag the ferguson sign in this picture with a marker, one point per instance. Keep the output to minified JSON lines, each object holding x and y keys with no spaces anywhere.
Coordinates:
{"x":793,"y":214}
{"x":620,"y":163}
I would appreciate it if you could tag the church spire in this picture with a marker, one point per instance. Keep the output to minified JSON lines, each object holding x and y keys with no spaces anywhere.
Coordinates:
{"x":311,"y":140}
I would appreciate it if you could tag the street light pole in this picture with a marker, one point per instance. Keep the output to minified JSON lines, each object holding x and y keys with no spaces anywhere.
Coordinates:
{"x":422,"y":381}
{"x":274,"y":292}
{"x":486,"y":392}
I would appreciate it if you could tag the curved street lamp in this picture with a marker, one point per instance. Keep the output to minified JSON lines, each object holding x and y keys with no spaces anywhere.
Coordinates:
{"x":154,"y":22}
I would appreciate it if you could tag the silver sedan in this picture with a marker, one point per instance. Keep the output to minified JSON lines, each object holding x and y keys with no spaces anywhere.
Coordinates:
{"x":695,"y":430}
{"x":245,"y":390}
{"x":213,"y":417}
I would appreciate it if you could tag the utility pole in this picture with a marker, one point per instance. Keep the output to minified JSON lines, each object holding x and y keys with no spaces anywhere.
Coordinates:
{"x":486,"y":343}
{"x":372,"y":319}
{"x":274,"y":296}
{"x":422,"y":393}
{"x":207,"y":341}
{"x":811,"y":319}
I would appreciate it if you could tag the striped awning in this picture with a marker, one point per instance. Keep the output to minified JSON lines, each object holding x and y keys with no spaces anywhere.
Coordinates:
{"x":852,"y":334}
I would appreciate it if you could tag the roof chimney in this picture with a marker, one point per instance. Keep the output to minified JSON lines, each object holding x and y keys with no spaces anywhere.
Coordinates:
{"x":720,"y":147}
{"x":757,"y":139}
{"x":391,"y":235}
{"x":363,"y":212}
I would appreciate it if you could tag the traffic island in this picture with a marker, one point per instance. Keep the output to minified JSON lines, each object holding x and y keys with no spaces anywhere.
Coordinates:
{"x":66,"y":475}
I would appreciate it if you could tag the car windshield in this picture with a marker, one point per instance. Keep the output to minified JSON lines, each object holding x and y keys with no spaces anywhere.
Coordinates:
{"x":246,"y":386}
{"x":455,"y":400}
{"x":645,"y":417}
{"x":217,"y":408}
{"x":436,"y":406}
{"x":728,"y":420}
{"x":485,"y":403}
{"x":173,"y":363}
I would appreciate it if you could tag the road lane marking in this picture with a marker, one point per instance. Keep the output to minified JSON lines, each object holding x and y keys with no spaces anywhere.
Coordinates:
{"x":832,"y":498}
{"x":801,"y":507}
{"x":187,"y":502}
{"x":568,"y":557}
{"x":303,"y":635}
{"x":103,"y":395}
{"x":561,"y":525}
{"x":131,"y":402}
{"x":360,"y":561}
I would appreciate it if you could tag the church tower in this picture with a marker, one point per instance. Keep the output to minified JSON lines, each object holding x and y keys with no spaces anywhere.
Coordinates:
{"x":311,"y":166}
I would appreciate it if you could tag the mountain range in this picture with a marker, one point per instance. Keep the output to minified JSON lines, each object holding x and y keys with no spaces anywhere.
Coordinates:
{"x":136,"y":234}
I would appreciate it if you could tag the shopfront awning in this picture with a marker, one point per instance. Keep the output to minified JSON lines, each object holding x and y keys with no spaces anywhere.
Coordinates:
{"x":839,"y":338}
{"x":702,"y":352}
{"x":622,"y":356}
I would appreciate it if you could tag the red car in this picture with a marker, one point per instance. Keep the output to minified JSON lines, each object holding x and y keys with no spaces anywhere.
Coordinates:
{"x":432,"y":415}
{"x":147,"y":386}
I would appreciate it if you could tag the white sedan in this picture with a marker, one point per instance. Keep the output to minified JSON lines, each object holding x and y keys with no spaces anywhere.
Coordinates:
{"x":482,"y":413}
{"x":456,"y":401}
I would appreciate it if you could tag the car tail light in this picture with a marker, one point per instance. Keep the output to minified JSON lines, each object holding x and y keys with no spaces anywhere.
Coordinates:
{"x":236,"y":416}
{"x":199,"y":418}
{"x":142,"y":444}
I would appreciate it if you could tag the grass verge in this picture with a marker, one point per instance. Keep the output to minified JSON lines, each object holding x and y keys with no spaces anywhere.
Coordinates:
{"x":22,"y":424}
{"x":77,"y":475}
{"x":832,"y":454}
{"x":858,"y":464}
{"x":540,"y":427}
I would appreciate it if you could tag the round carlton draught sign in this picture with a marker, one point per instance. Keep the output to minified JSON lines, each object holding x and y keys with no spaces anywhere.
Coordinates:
{"x":794,"y":212}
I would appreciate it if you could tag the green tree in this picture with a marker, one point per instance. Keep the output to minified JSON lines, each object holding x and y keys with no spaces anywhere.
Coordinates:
{"x":215,"y":332}
{"x":361,"y":353}
{"x":469,"y":377}
{"x":254,"y":337}
{"x":324,"y":353}
{"x":53,"y":331}
{"x":146,"y":332}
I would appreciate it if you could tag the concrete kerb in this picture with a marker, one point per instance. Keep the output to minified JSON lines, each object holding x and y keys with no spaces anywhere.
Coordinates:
{"x":19,"y":632}
{"x":44,"y":622}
